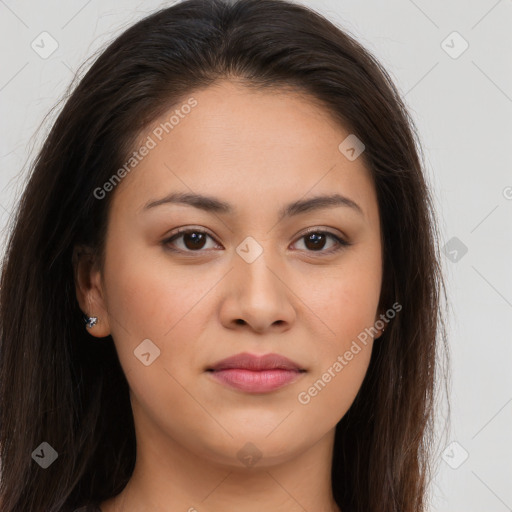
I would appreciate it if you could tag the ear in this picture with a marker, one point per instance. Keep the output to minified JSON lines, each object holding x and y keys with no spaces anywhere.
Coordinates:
{"x":89,"y":291}
{"x":379,"y":321}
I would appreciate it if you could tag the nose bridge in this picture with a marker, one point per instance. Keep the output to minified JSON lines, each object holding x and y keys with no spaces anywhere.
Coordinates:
{"x":260,"y":296}
{"x":254,"y":266}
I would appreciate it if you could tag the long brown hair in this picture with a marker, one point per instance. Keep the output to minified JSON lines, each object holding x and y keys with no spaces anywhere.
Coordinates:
{"x":59,"y":386}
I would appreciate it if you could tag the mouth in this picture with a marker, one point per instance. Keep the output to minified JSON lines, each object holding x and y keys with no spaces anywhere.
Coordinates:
{"x":256,"y":374}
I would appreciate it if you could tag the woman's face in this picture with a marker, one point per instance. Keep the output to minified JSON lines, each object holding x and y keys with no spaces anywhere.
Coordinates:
{"x":254,"y":283}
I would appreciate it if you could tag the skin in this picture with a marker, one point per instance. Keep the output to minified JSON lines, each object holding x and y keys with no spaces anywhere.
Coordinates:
{"x":209,"y":303}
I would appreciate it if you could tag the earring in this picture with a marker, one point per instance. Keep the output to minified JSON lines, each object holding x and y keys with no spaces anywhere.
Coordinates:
{"x":90,"y":321}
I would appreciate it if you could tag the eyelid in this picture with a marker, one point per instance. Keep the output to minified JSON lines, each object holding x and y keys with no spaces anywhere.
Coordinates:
{"x":317,"y":229}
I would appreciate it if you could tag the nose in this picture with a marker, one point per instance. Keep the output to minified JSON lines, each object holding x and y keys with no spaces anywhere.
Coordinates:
{"x":257,"y":297}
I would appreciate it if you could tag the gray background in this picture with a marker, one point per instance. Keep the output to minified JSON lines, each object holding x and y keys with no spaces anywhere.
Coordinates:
{"x":462,"y":105}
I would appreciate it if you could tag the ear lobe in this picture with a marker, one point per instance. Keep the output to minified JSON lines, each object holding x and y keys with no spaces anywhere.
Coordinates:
{"x":88,"y":287}
{"x":379,"y":321}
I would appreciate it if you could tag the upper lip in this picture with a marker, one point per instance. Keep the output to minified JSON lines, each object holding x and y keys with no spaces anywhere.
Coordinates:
{"x":254,"y":362}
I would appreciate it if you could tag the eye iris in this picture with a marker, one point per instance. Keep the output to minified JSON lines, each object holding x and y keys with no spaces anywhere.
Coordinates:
{"x":317,"y":239}
{"x":198,"y":240}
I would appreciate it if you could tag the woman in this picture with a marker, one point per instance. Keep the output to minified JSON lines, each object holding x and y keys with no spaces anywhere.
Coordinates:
{"x":233,"y":197}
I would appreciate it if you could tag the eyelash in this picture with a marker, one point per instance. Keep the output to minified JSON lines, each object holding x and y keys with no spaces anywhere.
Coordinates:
{"x":183,"y":231}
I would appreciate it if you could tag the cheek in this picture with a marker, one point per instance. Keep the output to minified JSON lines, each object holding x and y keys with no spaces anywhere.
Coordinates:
{"x":150,"y":294}
{"x":151,"y":300}
{"x":327,"y":396}
{"x":143,"y":302}
{"x":342,"y":300}
{"x":345,"y":300}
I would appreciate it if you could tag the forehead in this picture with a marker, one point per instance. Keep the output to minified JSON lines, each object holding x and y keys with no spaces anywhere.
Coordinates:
{"x":243,"y":144}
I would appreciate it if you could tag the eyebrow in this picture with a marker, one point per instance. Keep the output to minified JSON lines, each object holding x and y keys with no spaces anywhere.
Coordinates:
{"x":215,"y":205}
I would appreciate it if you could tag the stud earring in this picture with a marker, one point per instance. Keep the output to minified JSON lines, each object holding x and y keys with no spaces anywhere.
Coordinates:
{"x":90,"y":321}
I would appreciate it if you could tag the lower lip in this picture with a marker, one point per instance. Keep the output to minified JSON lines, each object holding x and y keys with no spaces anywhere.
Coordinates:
{"x":262,"y":381}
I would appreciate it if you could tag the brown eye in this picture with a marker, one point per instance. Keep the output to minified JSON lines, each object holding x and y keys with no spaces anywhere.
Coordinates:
{"x":316,"y":241}
{"x":193,"y":240}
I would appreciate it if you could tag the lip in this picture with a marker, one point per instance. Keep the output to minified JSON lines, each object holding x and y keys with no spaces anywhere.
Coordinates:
{"x":256,"y":374}
{"x":248,"y":361}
